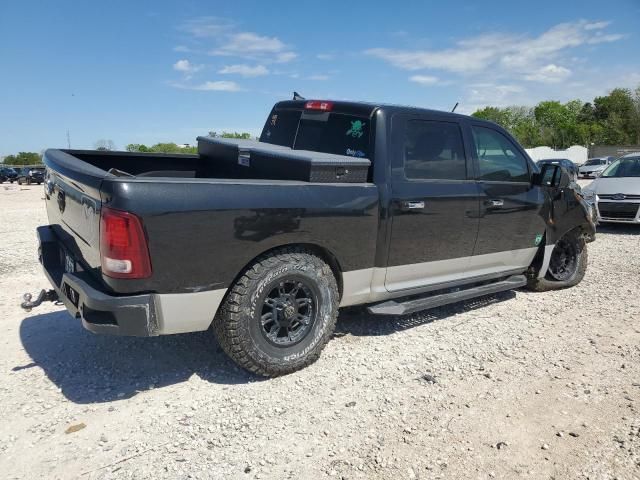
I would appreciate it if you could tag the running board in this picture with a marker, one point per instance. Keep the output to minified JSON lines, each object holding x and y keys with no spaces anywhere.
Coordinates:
{"x":393,"y":307}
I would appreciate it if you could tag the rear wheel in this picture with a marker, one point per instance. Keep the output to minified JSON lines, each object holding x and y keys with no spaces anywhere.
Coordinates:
{"x":567,"y":265}
{"x":280,"y":313}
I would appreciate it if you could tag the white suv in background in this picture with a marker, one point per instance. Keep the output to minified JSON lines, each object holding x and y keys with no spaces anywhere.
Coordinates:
{"x":616,"y":192}
{"x":594,"y":166}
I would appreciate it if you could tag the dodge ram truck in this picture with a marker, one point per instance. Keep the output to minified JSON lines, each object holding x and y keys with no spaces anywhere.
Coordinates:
{"x":338,"y":204}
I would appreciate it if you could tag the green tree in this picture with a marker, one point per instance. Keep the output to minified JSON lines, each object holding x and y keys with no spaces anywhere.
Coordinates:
{"x":137,"y":147}
{"x":617,"y":113}
{"x":23,"y":158}
{"x":105,"y":144}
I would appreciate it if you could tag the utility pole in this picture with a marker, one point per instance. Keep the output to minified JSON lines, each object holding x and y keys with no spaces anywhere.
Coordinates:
{"x":68,"y":140}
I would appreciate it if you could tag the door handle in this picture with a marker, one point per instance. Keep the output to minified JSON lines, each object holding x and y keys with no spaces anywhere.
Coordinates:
{"x":412,"y":205}
{"x":494,"y":203}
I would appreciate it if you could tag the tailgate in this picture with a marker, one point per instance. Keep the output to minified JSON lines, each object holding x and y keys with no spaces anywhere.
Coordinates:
{"x":72,"y":197}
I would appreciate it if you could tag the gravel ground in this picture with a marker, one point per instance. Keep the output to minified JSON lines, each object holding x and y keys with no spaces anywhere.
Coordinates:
{"x":519,"y":385}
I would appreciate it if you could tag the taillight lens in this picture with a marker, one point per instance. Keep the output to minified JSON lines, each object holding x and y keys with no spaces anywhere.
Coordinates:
{"x":123,"y":246}
{"x":319,"y":105}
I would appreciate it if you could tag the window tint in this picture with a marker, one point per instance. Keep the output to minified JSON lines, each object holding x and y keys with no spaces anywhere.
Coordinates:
{"x":281,"y":127}
{"x":498,"y":157}
{"x":334,"y":133}
{"x":434,"y":150}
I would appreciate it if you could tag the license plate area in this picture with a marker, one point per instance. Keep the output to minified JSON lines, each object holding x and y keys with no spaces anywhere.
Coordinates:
{"x":71,"y":294}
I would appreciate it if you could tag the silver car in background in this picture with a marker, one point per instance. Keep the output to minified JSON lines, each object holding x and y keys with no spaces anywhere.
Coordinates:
{"x":594,"y":166}
{"x":616,"y":192}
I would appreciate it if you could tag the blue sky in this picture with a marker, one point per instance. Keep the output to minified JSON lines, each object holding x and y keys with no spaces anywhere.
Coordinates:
{"x":144,"y":72}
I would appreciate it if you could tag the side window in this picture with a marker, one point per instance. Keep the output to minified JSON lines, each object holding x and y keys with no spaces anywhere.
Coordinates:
{"x":434,"y":150}
{"x":498,"y":157}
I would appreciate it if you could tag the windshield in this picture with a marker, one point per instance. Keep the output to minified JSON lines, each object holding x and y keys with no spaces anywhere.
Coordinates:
{"x":624,"y":167}
{"x":336,"y":133}
{"x":595,"y":161}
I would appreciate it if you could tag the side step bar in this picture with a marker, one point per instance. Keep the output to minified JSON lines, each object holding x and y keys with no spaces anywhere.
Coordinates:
{"x":393,"y":307}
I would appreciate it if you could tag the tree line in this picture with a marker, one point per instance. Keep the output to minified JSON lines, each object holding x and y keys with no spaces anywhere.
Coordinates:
{"x":23,"y":158}
{"x":612,"y":119}
{"x":175,"y":148}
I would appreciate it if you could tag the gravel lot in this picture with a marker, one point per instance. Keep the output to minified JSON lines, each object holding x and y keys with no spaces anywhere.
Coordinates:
{"x":520,"y":385}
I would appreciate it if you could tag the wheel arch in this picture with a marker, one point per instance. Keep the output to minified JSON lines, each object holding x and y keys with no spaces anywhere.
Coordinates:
{"x":540,"y":262}
{"x":319,"y":251}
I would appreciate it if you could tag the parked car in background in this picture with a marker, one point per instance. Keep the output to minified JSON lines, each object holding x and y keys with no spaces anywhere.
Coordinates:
{"x":594,"y":167}
{"x":8,"y":175}
{"x":616,"y":192}
{"x":563,"y":162}
{"x":31,"y":175}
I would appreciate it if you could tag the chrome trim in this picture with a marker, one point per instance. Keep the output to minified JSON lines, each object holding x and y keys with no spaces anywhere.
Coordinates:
{"x":405,"y":277}
{"x":548,"y":249}
{"x":187,"y":312}
{"x":368,"y":285}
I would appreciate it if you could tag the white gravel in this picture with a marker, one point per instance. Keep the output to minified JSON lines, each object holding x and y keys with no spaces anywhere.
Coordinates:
{"x":522,"y":385}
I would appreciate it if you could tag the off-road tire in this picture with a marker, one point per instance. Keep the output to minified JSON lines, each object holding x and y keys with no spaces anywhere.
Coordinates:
{"x":237,"y":324}
{"x":548,"y":282}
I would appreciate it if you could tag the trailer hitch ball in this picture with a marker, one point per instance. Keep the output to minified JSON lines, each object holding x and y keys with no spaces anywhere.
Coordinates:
{"x":44,"y":296}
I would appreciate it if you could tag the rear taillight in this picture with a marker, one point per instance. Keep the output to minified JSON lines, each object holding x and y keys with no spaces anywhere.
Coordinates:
{"x":123,"y":246}
{"x":319,"y":105}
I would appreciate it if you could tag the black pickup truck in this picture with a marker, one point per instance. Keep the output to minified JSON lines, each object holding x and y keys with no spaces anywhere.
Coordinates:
{"x":404,"y":209}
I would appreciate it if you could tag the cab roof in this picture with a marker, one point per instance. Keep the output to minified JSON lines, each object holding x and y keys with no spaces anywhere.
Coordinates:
{"x":364,"y":108}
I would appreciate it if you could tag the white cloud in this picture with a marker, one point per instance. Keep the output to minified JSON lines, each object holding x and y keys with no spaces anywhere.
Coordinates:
{"x":224,"y":39}
{"x":502,"y":54}
{"x":245,"y":70}
{"x":318,"y":77}
{"x":206,"y":27}
{"x":549,"y":74}
{"x":596,"y":25}
{"x":325,"y":56}
{"x":249,"y":43}
{"x":186,"y":67}
{"x":424,"y":79}
{"x":218,"y":86}
{"x":285,"y":57}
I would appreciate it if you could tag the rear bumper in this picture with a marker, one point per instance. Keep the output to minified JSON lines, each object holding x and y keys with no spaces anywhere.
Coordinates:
{"x":140,"y":315}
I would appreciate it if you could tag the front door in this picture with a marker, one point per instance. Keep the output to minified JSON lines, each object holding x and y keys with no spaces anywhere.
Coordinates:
{"x":511,"y":227}
{"x":434,"y":206}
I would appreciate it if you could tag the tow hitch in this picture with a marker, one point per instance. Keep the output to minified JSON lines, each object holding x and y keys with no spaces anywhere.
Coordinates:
{"x":43,"y":296}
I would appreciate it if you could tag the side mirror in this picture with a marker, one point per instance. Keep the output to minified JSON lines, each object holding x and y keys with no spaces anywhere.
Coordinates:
{"x":554,"y":176}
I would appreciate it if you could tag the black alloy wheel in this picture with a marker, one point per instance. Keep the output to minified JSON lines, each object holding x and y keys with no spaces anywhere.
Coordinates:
{"x":288,"y":312}
{"x":564,"y":260}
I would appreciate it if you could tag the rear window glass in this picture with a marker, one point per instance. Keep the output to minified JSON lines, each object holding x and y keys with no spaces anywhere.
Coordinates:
{"x":335,"y":133}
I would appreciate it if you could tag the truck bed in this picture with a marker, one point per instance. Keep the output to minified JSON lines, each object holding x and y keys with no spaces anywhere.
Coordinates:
{"x":225,"y":159}
{"x":200,"y":230}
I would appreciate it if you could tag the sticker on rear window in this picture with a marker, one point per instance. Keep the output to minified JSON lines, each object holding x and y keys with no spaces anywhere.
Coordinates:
{"x":355,"y":153}
{"x":356,"y":130}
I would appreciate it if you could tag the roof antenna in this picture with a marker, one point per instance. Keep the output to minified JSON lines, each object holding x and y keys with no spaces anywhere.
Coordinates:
{"x":297,"y":96}
{"x":454,"y":107}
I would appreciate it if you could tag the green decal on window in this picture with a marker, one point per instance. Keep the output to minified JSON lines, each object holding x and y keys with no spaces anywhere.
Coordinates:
{"x":538,"y":239}
{"x":356,"y":129}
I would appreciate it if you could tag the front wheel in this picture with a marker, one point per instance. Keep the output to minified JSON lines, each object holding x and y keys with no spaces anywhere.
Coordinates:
{"x":567,"y":265}
{"x":279,"y":314}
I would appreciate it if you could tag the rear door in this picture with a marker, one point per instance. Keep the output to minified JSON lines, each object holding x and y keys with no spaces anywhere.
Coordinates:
{"x":511,"y":227}
{"x":434,"y":205}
